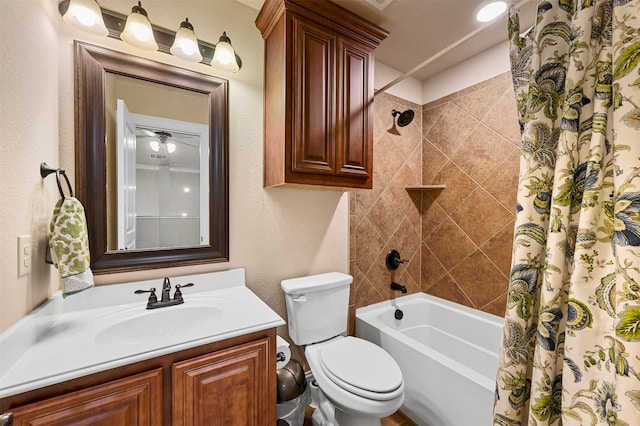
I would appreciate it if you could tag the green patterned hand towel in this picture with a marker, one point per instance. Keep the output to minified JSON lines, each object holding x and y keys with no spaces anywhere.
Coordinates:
{"x":69,"y":245}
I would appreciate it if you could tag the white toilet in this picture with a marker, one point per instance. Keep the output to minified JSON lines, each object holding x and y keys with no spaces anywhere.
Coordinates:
{"x":359,"y":382}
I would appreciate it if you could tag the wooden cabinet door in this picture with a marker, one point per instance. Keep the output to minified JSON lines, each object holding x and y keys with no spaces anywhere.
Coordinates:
{"x":313,"y":113}
{"x":318,"y":94}
{"x":135,"y":400}
{"x":228,"y":387}
{"x":354,"y":144}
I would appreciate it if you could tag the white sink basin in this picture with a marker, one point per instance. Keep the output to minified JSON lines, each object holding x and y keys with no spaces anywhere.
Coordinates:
{"x":108,"y":327}
{"x":162,"y":324}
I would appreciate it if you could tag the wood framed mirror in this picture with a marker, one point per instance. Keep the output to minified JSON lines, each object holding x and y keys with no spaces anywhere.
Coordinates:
{"x":97,"y":157}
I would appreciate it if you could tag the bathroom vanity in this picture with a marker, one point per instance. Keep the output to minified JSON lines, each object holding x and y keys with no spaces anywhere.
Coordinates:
{"x":208,"y":361}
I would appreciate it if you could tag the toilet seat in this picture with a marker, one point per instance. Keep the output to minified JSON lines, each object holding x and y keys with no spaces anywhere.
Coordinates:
{"x":362,"y":368}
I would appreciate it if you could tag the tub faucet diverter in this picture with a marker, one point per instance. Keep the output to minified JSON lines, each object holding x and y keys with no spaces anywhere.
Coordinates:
{"x":393,"y":260}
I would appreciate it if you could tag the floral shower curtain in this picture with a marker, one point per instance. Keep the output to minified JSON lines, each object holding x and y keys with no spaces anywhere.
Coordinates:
{"x":571,"y":346}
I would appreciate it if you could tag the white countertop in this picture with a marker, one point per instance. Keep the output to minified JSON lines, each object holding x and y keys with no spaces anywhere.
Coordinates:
{"x":109,"y":326}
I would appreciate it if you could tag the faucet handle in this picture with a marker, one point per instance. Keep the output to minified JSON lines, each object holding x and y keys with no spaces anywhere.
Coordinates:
{"x":393,"y":260}
{"x":178,"y":293}
{"x":152,"y":297}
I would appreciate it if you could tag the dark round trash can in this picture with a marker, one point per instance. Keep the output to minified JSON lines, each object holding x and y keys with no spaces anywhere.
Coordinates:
{"x":292,"y":394}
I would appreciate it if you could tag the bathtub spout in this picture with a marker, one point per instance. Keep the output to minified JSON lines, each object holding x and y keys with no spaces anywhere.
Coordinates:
{"x":398,"y":287}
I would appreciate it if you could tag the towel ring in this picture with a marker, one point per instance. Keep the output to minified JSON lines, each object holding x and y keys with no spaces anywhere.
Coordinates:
{"x":62,"y":172}
{"x":46,"y":170}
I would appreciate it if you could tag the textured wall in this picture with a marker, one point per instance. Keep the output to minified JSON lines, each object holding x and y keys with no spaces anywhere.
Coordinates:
{"x":28,"y":136}
{"x":274,"y":233}
{"x":457,"y":240}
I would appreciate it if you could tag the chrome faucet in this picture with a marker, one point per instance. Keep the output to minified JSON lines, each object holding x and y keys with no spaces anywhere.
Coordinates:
{"x":166,"y":300}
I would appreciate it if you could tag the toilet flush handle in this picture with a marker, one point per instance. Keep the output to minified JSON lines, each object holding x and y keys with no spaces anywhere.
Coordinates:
{"x":300,"y":299}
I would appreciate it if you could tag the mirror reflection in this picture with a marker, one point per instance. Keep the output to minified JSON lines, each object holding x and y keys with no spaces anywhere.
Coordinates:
{"x":162,"y":181}
{"x":152,"y":166}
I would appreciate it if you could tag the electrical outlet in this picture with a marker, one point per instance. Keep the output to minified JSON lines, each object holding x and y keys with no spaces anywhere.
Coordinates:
{"x":24,"y":255}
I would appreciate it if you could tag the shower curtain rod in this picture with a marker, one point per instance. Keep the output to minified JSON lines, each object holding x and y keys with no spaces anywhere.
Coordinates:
{"x":444,"y":51}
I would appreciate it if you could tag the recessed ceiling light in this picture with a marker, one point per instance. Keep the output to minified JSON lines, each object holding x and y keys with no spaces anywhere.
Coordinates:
{"x":491,"y":11}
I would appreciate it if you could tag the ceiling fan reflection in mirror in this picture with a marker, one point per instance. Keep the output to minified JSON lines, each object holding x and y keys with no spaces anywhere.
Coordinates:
{"x":168,"y":146}
{"x":160,"y":141}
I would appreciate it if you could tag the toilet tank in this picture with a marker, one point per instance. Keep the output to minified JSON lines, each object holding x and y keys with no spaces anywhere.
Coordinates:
{"x":317,"y":306}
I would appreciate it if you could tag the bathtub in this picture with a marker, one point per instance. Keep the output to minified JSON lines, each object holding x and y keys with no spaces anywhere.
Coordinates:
{"x":448,"y":354}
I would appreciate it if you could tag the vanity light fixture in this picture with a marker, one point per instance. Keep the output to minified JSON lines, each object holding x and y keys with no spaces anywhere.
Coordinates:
{"x":159,"y":38}
{"x":224,"y":56}
{"x":137,"y":31}
{"x":86,"y":15}
{"x":185,"y":45}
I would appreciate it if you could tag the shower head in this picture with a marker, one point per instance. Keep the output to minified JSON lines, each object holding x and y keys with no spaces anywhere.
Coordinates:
{"x":405,"y":118}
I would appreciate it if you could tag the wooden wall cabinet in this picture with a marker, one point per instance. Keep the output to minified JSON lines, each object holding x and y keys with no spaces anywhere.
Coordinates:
{"x":232,"y":382}
{"x":318,"y":89}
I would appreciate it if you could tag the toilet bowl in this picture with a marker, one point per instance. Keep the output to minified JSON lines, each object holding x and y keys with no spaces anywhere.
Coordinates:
{"x":359,"y":383}
{"x":360,"y":380}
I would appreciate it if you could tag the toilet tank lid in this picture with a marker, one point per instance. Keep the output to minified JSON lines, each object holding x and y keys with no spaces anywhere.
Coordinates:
{"x":315,"y":282}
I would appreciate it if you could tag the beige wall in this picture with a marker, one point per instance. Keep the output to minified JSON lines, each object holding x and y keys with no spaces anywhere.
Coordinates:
{"x":29,"y":134}
{"x":274,"y":233}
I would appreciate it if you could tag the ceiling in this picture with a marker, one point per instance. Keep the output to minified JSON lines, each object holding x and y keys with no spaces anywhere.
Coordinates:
{"x":418,"y":29}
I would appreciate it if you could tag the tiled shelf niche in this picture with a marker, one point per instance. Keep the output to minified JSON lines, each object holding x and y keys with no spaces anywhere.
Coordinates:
{"x":437,"y":187}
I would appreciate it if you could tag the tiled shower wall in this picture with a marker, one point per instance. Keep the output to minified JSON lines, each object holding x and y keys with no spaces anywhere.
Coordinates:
{"x":388,"y":216}
{"x":457,"y":241}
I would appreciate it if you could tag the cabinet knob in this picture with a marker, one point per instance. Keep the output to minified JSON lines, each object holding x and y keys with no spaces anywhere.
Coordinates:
{"x":6,"y":419}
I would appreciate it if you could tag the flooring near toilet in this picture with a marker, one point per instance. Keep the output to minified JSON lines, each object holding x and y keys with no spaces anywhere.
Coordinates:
{"x":396,"y":419}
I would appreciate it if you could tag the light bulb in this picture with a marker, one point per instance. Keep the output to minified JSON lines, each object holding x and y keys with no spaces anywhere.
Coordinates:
{"x":86,"y":15}
{"x":137,"y":31}
{"x":224,"y":56}
{"x":185,"y":45}
{"x":491,"y":11}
